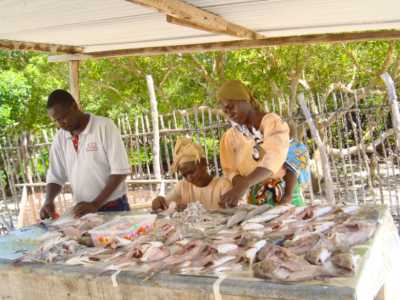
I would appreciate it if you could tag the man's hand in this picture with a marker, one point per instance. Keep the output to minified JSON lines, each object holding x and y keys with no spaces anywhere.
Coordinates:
{"x":84,"y":208}
{"x":48,"y":210}
{"x":159,"y":203}
{"x":232,"y":197}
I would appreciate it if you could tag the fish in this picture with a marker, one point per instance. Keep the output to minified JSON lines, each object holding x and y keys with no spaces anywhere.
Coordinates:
{"x":257,"y":211}
{"x":252,"y":226}
{"x":318,"y":255}
{"x":155,"y":253}
{"x":257,"y":234}
{"x":302,"y":245}
{"x":223,"y":260}
{"x":237,"y":218}
{"x":269,"y":214}
{"x":226,"y":248}
{"x":174,"y":236}
{"x":189,"y":252}
{"x":352,"y":233}
{"x":314,"y":211}
{"x":312,"y":228}
{"x":349,"y":209}
{"x":344,"y":260}
{"x":251,"y":252}
{"x":279,"y":264}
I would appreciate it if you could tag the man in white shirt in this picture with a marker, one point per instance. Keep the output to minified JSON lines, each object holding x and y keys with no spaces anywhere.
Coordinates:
{"x":88,"y":152}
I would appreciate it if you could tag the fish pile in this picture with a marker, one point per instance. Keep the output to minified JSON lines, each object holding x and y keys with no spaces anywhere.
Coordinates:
{"x":283,"y":243}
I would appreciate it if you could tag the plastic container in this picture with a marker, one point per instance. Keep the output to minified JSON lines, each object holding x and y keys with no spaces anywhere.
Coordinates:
{"x":126,"y":227}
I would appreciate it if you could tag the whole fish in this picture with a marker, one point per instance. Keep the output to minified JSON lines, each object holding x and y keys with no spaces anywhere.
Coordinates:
{"x":270,"y":214}
{"x":352,"y":233}
{"x":257,"y":211}
{"x":252,"y":226}
{"x":237,"y":218}
{"x":279,"y":264}
{"x":302,"y":245}
{"x":189,"y":252}
{"x":311,"y":229}
{"x":226,"y":248}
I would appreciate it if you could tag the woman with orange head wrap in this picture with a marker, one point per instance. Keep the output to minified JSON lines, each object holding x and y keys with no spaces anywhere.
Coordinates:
{"x":198,"y":184}
{"x":254,"y":150}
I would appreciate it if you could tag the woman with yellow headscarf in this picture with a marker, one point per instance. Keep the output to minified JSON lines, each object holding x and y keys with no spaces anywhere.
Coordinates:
{"x":198,"y":184}
{"x":254,"y":150}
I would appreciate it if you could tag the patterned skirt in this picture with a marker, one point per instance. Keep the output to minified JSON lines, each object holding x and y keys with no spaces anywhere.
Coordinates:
{"x":271,"y":192}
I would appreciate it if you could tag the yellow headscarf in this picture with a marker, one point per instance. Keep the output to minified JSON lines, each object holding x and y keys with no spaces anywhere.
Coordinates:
{"x":186,"y":150}
{"x":236,"y":90}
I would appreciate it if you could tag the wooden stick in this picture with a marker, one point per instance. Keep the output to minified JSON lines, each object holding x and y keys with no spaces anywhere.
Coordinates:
{"x":324,"y":156}
{"x":156,"y":128}
{"x":43,"y":47}
{"x":239,"y":44}
{"x":185,"y":14}
{"x":391,"y":90}
{"x":74,"y":80}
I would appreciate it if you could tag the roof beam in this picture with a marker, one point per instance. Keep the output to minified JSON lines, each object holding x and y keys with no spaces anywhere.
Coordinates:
{"x":43,"y":47}
{"x":181,"y":13}
{"x":240,"y":44}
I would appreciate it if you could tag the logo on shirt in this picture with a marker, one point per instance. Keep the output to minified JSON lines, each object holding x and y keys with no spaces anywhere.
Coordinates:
{"x":91,"y":147}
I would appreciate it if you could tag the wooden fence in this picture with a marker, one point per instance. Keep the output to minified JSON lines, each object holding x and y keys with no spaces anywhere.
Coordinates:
{"x":356,"y":131}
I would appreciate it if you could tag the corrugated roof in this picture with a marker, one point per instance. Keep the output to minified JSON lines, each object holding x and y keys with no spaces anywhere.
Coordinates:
{"x":100,"y":25}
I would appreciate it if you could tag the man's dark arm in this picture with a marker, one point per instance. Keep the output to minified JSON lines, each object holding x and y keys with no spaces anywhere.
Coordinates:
{"x":48,"y":209}
{"x":112,"y":183}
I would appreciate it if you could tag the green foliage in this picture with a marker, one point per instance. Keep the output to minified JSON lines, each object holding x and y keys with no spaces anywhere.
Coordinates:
{"x":116,"y":86}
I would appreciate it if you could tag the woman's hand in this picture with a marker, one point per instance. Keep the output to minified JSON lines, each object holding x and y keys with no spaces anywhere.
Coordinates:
{"x":159,"y":203}
{"x":232,"y":197}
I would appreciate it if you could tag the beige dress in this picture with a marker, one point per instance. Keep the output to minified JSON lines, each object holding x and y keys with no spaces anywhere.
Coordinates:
{"x":236,"y":150}
{"x":185,"y":192}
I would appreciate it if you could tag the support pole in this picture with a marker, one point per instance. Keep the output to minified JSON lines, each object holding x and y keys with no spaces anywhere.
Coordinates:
{"x":74,"y":80}
{"x":391,"y":91}
{"x":156,"y":129}
{"x":324,"y":156}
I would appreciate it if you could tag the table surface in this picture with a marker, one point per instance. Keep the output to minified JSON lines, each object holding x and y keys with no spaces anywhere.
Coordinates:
{"x":377,"y":259}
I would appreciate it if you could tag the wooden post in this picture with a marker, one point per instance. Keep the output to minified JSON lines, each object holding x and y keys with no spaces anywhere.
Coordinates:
{"x":74,"y":80}
{"x":324,"y":156}
{"x":391,"y":90}
{"x":156,"y":129}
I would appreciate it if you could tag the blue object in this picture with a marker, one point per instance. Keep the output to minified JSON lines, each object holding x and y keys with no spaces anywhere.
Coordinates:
{"x":298,"y":160}
{"x":18,"y":242}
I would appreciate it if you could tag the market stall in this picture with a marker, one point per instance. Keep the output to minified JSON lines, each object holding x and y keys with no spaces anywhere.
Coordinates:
{"x":376,"y":266}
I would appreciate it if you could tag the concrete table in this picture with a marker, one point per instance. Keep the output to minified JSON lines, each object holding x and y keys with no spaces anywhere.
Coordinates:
{"x":377,"y":277}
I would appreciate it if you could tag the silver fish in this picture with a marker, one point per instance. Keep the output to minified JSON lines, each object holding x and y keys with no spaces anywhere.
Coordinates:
{"x":257,"y":211}
{"x":270,"y":214}
{"x":237,"y":218}
{"x":226,"y":248}
{"x":252,"y":226}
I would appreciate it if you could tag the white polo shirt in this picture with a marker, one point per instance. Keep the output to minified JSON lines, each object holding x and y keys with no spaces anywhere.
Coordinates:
{"x":100,"y":154}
